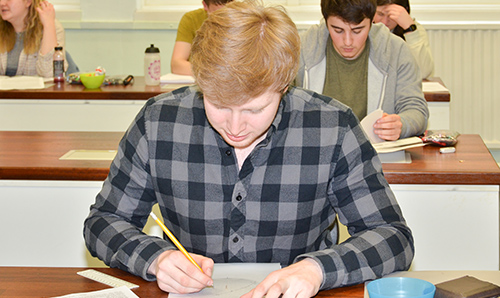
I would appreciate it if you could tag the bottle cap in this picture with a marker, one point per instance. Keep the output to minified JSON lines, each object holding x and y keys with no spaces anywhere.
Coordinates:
{"x":152,"y":49}
{"x":58,"y":48}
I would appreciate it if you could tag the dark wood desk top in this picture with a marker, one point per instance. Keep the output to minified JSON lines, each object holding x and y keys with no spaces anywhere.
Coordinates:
{"x":16,"y":282}
{"x":136,"y":91}
{"x":35,"y":156}
{"x":437,"y":96}
{"x":472,"y":163}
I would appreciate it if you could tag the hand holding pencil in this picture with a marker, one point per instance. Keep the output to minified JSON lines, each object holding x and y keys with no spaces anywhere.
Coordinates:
{"x":174,"y":240}
{"x":173,"y":277}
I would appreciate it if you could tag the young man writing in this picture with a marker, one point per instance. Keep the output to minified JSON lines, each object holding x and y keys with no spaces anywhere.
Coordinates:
{"x":247,"y":169}
{"x":364,"y":66}
{"x":189,"y":24}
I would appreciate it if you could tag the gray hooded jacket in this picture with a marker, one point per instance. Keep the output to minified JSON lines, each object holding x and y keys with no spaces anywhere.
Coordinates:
{"x":394,"y":80}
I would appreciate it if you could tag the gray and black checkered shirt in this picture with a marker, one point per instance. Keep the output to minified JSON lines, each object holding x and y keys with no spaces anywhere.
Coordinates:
{"x":314,"y":163}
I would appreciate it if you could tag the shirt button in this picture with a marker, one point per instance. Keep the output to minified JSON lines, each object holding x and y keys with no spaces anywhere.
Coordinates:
{"x":238,"y":198}
{"x":228,"y":152}
{"x":236,"y":239}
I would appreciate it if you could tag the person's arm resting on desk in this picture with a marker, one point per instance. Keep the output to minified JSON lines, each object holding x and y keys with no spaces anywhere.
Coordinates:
{"x":180,"y":59}
{"x":405,"y":107}
{"x":186,"y":31}
{"x":380,"y":241}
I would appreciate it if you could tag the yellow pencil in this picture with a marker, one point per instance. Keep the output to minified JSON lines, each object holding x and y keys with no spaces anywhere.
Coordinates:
{"x":174,"y":240}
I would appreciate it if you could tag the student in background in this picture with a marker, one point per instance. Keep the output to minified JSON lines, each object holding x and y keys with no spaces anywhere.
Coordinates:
{"x":364,"y":66}
{"x":395,"y":14}
{"x":189,"y":24}
{"x":29,"y":32}
{"x":245,"y":168}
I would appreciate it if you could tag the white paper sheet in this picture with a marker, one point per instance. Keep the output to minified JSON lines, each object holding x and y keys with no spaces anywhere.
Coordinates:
{"x":234,"y":279}
{"x":368,"y":122}
{"x":121,"y":292}
{"x":21,"y":82}
{"x":401,"y":144}
{"x":176,"y":79}
{"x":89,"y":155}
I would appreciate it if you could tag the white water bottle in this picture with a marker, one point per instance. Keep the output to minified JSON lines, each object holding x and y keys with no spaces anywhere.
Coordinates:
{"x":152,"y":66}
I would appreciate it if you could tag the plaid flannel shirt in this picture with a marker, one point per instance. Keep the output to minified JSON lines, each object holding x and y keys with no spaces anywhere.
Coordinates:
{"x":314,"y":163}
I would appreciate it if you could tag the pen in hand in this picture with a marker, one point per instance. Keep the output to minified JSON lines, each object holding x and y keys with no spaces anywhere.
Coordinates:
{"x":174,"y":240}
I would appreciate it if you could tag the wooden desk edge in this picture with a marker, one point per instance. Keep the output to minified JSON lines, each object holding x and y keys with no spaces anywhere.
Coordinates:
{"x":53,"y":281}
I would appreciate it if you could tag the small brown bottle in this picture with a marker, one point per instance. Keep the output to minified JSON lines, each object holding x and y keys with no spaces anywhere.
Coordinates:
{"x":58,"y":63}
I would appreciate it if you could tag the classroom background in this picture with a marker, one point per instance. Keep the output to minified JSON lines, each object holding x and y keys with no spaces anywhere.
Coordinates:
{"x":114,"y":34}
{"x":464,"y":37}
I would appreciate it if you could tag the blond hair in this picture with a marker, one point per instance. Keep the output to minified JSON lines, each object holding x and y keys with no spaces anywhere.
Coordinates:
{"x":244,"y":50}
{"x":33,"y":31}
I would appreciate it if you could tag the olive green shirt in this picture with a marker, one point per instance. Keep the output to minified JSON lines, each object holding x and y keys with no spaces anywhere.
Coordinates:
{"x":190,"y":22}
{"x":347,"y":80}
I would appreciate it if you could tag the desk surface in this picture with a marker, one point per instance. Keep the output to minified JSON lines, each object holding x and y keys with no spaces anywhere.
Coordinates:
{"x":35,"y":156}
{"x":16,"y":282}
{"x":136,"y":91}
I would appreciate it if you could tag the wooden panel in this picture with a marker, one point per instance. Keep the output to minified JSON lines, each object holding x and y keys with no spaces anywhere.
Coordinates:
{"x":472,"y":163}
{"x":35,"y":155}
{"x":137,"y":90}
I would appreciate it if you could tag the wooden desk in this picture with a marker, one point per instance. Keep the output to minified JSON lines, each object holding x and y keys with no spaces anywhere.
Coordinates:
{"x":16,"y":282}
{"x":444,"y":198}
{"x":138,"y":90}
{"x":35,"y":156}
{"x":471,"y":164}
{"x":67,"y":107}
{"x":437,"y":96}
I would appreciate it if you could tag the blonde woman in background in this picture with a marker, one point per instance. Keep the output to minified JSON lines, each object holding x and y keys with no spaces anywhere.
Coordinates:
{"x":395,"y":14}
{"x":29,"y":32}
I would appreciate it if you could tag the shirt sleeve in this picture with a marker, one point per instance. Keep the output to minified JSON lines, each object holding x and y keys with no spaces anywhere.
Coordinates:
{"x":418,"y":42}
{"x":380,"y":241}
{"x":44,"y":63}
{"x":410,"y":103}
{"x":113,"y":229}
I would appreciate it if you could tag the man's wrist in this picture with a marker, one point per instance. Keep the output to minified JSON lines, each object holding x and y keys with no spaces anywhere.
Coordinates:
{"x":412,"y":28}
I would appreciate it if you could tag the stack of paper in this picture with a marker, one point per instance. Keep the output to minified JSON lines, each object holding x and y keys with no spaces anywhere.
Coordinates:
{"x":21,"y":82}
{"x":401,"y":144}
{"x":394,"y":151}
{"x":171,"y":78}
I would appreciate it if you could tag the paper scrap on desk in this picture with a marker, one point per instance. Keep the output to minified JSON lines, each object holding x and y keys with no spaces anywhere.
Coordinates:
{"x":121,"y":292}
{"x":89,"y":155}
{"x":401,"y":144}
{"x":234,"y":279}
{"x":176,"y":79}
{"x":21,"y":82}
{"x":433,"y":87}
